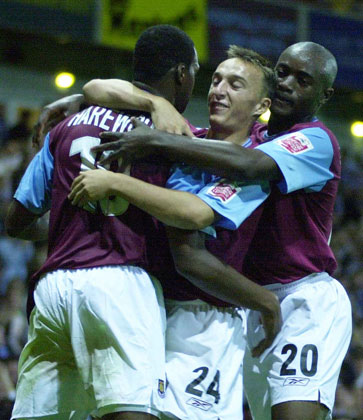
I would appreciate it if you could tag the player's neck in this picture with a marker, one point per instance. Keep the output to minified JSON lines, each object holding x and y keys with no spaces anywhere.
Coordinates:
{"x":279,"y":125}
{"x":155,"y":90}
{"x":237,"y":137}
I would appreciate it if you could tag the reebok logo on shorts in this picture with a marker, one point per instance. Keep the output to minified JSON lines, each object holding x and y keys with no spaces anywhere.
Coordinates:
{"x":202,"y":405}
{"x":223,"y":191}
{"x":296,"y":381}
{"x":296,"y":143}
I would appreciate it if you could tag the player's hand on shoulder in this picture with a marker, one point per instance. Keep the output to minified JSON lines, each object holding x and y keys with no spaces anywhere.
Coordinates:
{"x":54,"y":113}
{"x":166,"y":118}
{"x":271,"y":319}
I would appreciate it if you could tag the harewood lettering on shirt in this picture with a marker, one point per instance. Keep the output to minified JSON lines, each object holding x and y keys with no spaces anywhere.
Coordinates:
{"x":103,"y":118}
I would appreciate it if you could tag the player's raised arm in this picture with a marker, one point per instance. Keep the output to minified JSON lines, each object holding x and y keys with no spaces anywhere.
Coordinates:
{"x":53,"y":113}
{"x":116,"y":94}
{"x":121,"y":94}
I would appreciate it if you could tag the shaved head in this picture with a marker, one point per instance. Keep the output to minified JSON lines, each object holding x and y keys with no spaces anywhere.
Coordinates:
{"x":324,"y":60}
{"x":305,"y":72}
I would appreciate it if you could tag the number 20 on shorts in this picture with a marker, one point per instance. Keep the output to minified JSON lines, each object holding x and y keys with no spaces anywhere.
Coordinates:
{"x":309,"y":351}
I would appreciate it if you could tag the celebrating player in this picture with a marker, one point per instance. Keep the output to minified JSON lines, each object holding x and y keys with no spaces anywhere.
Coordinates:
{"x":204,"y":338}
{"x":96,"y":341}
{"x":289,"y":254}
{"x":155,"y":252}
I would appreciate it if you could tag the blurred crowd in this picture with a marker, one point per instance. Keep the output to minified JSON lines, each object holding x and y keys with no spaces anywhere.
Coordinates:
{"x":19,"y":259}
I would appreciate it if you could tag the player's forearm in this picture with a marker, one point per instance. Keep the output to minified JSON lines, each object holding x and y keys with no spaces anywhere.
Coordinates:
{"x":68,"y":104}
{"x":117,"y":94}
{"x":175,"y":208}
{"x":222,"y":158}
{"x":22,"y":224}
{"x":37,"y":231}
{"x":218,"y":279}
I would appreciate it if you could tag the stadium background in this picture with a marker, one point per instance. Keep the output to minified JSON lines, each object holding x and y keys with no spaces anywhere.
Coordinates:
{"x":94,"y":39}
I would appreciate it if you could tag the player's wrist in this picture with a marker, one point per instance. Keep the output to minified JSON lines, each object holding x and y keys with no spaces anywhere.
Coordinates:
{"x":156,"y":104}
{"x":116,"y":183}
{"x":270,"y":304}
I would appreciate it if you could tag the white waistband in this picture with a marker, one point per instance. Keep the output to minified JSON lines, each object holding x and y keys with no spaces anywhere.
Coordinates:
{"x":283,"y":290}
{"x":200,"y":304}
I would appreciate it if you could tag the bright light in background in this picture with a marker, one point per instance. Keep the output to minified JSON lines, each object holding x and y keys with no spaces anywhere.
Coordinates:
{"x":357,"y":129}
{"x":64,"y":80}
{"x":265,"y":116}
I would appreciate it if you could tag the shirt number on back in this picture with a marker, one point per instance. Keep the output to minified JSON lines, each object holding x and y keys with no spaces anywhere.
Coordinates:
{"x":114,"y":206}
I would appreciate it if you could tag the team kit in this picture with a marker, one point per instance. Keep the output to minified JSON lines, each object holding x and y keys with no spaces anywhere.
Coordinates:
{"x":186,"y":273}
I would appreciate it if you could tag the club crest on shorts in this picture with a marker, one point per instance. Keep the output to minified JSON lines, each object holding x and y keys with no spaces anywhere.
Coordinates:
{"x":161,"y":388}
{"x":295,"y":143}
{"x":223,"y":191}
{"x":296,"y":381}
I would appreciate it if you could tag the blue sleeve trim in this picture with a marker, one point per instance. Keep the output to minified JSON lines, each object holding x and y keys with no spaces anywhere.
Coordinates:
{"x":304,"y":158}
{"x":186,"y":178}
{"x":35,"y":188}
{"x":234,"y":201}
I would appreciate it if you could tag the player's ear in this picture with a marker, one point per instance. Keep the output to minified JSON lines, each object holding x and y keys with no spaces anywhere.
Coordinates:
{"x":327,"y":94}
{"x":180,"y":73}
{"x":262,"y":107}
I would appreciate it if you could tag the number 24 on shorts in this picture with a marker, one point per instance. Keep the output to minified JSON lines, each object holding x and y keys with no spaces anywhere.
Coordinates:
{"x":213,"y":388}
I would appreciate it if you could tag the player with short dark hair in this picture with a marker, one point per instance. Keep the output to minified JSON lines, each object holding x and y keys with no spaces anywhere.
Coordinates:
{"x":205,"y":336}
{"x":96,"y":338}
{"x":156,"y":256}
{"x":296,"y":378}
{"x":173,"y":46}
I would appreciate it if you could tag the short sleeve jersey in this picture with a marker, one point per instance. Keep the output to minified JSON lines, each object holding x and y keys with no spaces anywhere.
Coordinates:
{"x":96,"y":235}
{"x":236,"y":203}
{"x":93,"y":236}
{"x":292,"y":236}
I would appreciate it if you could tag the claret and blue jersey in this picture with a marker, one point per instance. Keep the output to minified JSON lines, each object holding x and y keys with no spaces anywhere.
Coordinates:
{"x":283,"y":228}
{"x":233,"y":201}
{"x":280,"y":231}
{"x":90,"y":237}
{"x":292,"y":237}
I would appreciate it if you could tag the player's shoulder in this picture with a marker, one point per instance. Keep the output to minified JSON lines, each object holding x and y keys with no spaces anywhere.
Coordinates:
{"x":314,"y":128}
{"x":303,"y":139}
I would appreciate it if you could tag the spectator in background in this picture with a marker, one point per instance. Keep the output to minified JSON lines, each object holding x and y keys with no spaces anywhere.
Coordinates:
{"x":3,"y":126}
{"x":357,"y":356}
{"x":23,"y":128}
{"x":347,"y":244}
{"x":351,"y":187}
{"x":15,"y":254}
{"x":13,"y":330}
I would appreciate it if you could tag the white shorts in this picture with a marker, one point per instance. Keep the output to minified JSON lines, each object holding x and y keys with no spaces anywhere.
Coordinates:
{"x":304,"y":362}
{"x":205,"y":346}
{"x":96,"y":344}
